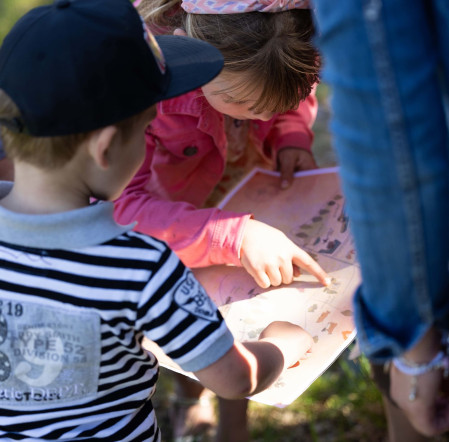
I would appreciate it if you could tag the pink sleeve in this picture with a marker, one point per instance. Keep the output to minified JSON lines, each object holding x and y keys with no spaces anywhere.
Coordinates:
{"x":200,"y":237}
{"x":294,"y":128}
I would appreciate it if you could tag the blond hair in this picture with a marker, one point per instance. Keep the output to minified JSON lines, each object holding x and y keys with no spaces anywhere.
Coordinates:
{"x":47,"y":152}
{"x":44,"y":152}
{"x":272,"y":51}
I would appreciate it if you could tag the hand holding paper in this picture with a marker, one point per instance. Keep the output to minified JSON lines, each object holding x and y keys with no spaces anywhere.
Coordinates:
{"x":292,"y":159}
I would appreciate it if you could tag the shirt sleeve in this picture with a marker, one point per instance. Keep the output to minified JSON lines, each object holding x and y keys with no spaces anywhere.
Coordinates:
{"x":176,"y":312}
{"x":294,"y":128}
{"x":200,"y":237}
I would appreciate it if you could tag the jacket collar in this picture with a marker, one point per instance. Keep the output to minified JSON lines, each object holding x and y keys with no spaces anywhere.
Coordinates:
{"x":194,"y":104}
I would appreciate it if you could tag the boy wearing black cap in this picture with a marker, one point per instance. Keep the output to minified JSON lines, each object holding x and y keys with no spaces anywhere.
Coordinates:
{"x":78,"y":84}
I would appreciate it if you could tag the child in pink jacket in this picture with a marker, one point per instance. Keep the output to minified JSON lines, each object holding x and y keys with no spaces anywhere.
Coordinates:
{"x":188,"y":145}
{"x":261,"y":107}
{"x":186,"y":158}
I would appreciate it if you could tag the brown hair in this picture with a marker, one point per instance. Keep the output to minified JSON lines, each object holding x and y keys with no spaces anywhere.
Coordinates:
{"x":273,"y":51}
{"x":46,"y":152}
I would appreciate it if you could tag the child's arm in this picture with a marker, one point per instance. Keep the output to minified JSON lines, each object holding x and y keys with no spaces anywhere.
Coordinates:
{"x":200,"y":237}
{"x":175,"y":311}
{"x":290,"y":140}
{"x":272,"y":259}
{"x":251,"y":367}
{"x":203,"y":237}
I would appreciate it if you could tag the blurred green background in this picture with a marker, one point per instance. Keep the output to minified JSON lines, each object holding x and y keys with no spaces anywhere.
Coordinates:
{"x":12,"y":10}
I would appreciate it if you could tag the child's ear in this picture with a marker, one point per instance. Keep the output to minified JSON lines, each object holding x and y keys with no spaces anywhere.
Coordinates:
{"x":100,"y":145}
{"x":181,"y":32}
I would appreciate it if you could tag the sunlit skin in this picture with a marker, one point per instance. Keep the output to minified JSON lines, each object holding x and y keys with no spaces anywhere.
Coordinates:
{"x":281,"y":344}
{"x":234,"y":103}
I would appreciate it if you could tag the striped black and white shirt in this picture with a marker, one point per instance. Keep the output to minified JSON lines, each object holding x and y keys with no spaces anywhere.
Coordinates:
{"x":77,"y":294}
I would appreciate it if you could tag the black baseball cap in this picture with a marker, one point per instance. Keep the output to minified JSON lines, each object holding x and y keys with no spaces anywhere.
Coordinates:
{"x":79,"y":65}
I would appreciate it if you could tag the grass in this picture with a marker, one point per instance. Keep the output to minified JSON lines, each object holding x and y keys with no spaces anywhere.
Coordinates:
{"x":341,"y":405}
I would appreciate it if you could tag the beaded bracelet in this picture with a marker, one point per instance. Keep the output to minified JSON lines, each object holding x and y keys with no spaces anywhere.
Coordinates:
{"x":440,"y":361}
{"x":413,"y":369}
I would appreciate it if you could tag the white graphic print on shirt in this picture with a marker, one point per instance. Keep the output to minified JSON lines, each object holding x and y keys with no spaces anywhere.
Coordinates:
{"x":190,"y":296}
{"x":48,"y":355}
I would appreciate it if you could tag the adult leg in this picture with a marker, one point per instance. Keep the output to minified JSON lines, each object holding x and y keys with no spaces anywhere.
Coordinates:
{"x":385,"y":63}
{"x":399,"y":427}
{"x":382,"y":61}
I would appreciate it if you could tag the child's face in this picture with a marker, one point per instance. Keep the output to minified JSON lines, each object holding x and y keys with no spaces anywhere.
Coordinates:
{"x":130,"y":155}
{"x":236,"y":103}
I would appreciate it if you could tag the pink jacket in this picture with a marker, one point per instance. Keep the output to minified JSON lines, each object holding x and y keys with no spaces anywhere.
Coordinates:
{"x":185,"y":160}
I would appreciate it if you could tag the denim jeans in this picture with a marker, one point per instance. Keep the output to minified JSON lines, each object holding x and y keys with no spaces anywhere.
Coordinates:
{"x":387,"y":64}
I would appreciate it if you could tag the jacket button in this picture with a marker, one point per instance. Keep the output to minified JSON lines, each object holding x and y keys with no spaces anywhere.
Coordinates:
{"x":189,"y":151}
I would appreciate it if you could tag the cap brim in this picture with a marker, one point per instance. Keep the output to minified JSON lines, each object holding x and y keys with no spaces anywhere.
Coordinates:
{"x":191,"y":63}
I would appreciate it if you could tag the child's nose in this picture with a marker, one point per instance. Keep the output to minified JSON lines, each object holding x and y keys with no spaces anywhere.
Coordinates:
{"x":264,"y":116}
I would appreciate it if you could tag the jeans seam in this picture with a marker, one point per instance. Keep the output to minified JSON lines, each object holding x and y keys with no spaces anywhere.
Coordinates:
{"x":406,"y":170}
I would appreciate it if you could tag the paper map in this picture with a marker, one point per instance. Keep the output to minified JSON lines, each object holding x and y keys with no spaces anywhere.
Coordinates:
{"x":310,"y":213}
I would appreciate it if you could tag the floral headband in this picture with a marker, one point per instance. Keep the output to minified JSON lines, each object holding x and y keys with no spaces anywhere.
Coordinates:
{"x":239,"y":6}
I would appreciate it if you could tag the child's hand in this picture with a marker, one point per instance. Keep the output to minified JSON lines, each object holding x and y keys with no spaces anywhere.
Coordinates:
{"x":291,"y":339}
{"x":272,"y":259}
{"x":291,"y":159}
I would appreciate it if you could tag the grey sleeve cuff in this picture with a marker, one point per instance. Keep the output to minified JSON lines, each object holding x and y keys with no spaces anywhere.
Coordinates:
{"x":211,"y":354}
